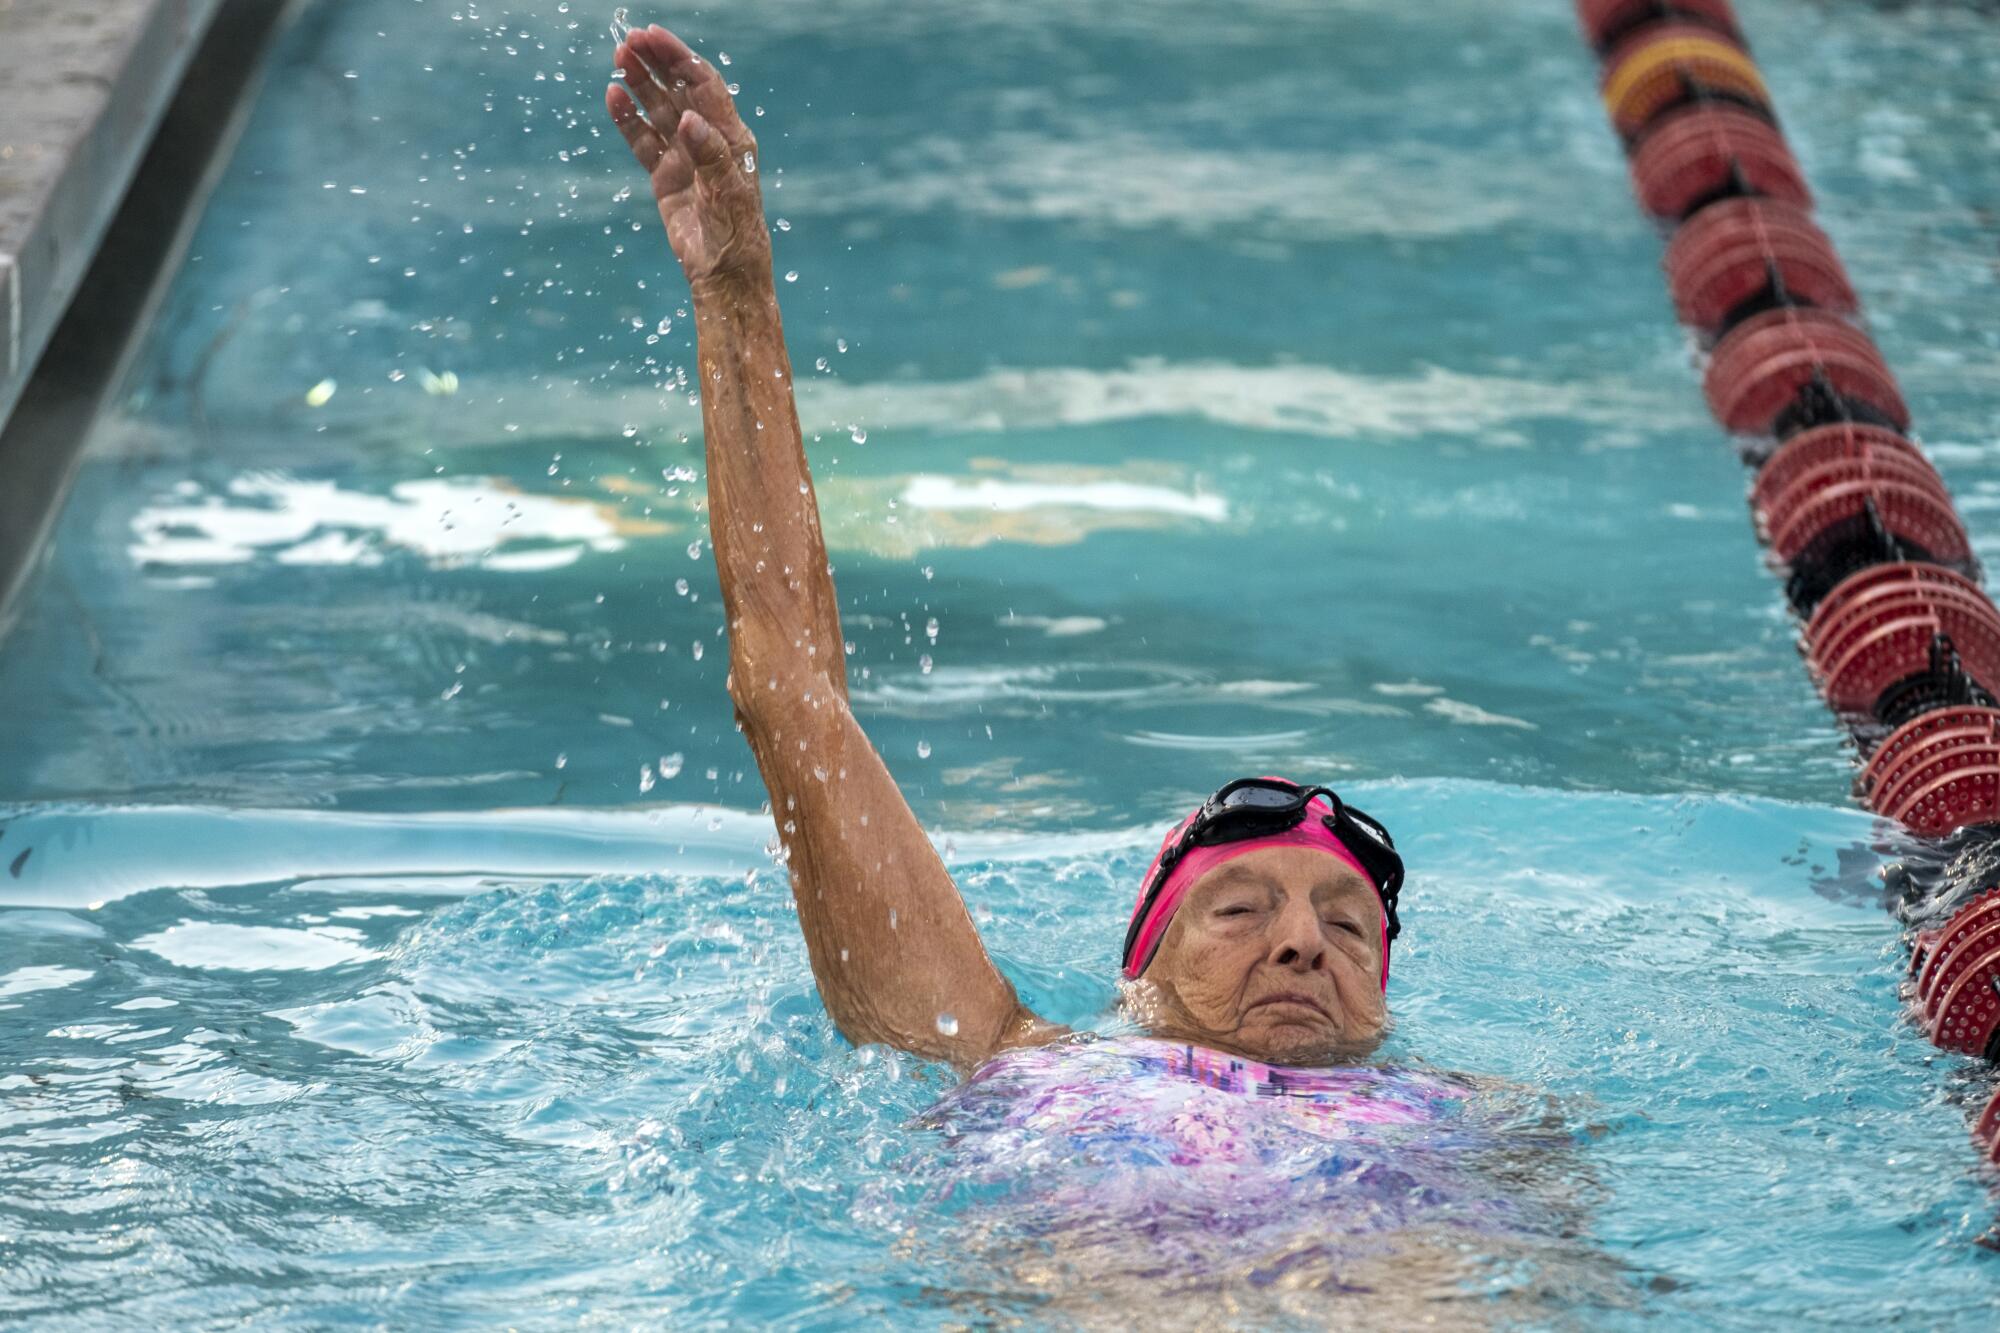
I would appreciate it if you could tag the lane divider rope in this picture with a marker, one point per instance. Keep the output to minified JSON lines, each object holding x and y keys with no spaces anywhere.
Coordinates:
{"x":1898,"y":635}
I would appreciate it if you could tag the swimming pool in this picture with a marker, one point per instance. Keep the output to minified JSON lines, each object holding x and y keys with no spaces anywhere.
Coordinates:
{"x":395,"y":937}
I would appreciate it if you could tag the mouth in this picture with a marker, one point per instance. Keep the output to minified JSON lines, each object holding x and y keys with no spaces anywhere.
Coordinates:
{"x":1292,"y":1000}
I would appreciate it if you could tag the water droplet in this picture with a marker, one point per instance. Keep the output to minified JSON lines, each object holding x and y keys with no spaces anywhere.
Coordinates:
{"x":784,"y":225}
{"x":694,"y":549}
{"x":562,"y":761}
{"x":931,"y":629}
{"x":620,"y":28}
{"x":791,"y":275}
{"x":681,"y":587}
{"x":670,"y":765}
{"x":840,"y":344}
{"x":857,"y":434}
{"x":722,"y":57}
{"x":892,"y":918}
{"x":929,"y":573}
{"x":923,"y":749}
{"x":924,"y":664}
{"x":645,"y":778}
{"x":320,"y":394}
{"x":749,"y":164}
{"x":696,"y":649}
{"x":947,"y":1025}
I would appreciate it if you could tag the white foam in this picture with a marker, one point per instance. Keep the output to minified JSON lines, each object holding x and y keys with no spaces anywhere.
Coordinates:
{"x":208,"y":944}
{"x":929,"y":491}
{"x":24,"y":979}
{"x":1471,"y":715}
{"x":1056,"y":627}
{"x":310,"y":522}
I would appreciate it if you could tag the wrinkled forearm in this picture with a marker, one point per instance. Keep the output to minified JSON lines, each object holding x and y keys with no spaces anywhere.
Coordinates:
{"x":763,"y":514}
{"x":894,"y":951}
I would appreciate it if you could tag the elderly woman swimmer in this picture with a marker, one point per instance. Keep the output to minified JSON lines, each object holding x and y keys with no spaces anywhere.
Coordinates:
{"x":1245,"y":1132}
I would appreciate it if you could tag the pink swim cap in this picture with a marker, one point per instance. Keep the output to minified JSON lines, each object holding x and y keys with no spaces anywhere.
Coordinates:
{"x":1198,"y":861}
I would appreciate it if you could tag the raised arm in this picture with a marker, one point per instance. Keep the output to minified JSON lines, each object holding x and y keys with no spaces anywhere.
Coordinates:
{"x":893,"y":949}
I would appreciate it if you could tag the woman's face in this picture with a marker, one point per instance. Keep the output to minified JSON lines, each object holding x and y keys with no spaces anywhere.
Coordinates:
{"x":1276,"y":955}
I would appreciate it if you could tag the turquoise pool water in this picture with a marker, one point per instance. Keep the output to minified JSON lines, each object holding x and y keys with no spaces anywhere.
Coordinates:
{"x":388,"y":934}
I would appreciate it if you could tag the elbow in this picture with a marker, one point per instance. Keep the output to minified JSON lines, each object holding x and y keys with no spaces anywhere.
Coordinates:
{"x":773,"y":682}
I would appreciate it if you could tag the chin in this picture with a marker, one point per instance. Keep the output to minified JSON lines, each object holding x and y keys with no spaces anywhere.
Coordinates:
{"x":1289,"y":1044}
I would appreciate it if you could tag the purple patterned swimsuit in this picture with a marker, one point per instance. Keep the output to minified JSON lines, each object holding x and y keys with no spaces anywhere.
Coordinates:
{"x":1149,"y":1132}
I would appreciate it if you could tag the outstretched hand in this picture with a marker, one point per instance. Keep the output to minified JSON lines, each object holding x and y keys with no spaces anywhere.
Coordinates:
{"x":698,"y":153}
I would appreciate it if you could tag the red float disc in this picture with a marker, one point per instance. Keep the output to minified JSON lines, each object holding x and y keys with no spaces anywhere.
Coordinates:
{"x":1729,"y":252}
{"x":1907,"y":744}
{"x":1968,"y":796}
{"x":1969,"y":754}
{"x":1950,"y":960}
{"x":1783,"y":508}
{"x":1900,"y":648}
{"x":1832,"y":637}
{"x":1697,"y":153}
{"x":1724,"y":223}
{"x":1761,"y":365}
{"x":1893,"y":643}
{"x":1968,"y":1009}
{"x":1915,"y":515}
{"x":1891,"y":595}
{"x":1880,"y":581}
{"x":1606,"y":21}
{"x":1822,"y":444}
{"x":1843,"y":636}
{"x":1968,"y":921}
{"x":1892,"y":789}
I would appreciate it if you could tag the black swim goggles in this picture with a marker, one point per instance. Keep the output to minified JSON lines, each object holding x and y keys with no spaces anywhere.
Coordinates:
{"x":1259,"y":807}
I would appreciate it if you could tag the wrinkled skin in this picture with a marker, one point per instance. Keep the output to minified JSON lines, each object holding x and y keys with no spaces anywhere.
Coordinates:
{"x":1275,"y":955}
{"x":699,"y":157}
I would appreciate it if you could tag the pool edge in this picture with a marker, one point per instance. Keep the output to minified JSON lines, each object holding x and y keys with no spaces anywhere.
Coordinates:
{"x":142,"y":210}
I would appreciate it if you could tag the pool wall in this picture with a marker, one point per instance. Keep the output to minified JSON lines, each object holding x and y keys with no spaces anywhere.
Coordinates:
{"x":96,"y":193}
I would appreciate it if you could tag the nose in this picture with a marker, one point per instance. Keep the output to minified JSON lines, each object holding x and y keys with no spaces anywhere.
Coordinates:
{"x":1296,"y":941}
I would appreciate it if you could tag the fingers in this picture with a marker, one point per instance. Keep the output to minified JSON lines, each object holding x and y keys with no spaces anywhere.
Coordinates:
{"x":709,"y":151}
{"x":644,"y":141}
{"x":662,"y":47}
{"x":694,"y":83}
{"x":647,"y":73}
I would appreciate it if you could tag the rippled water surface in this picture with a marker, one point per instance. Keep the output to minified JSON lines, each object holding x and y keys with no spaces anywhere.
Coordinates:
{"x":385,"y":927}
